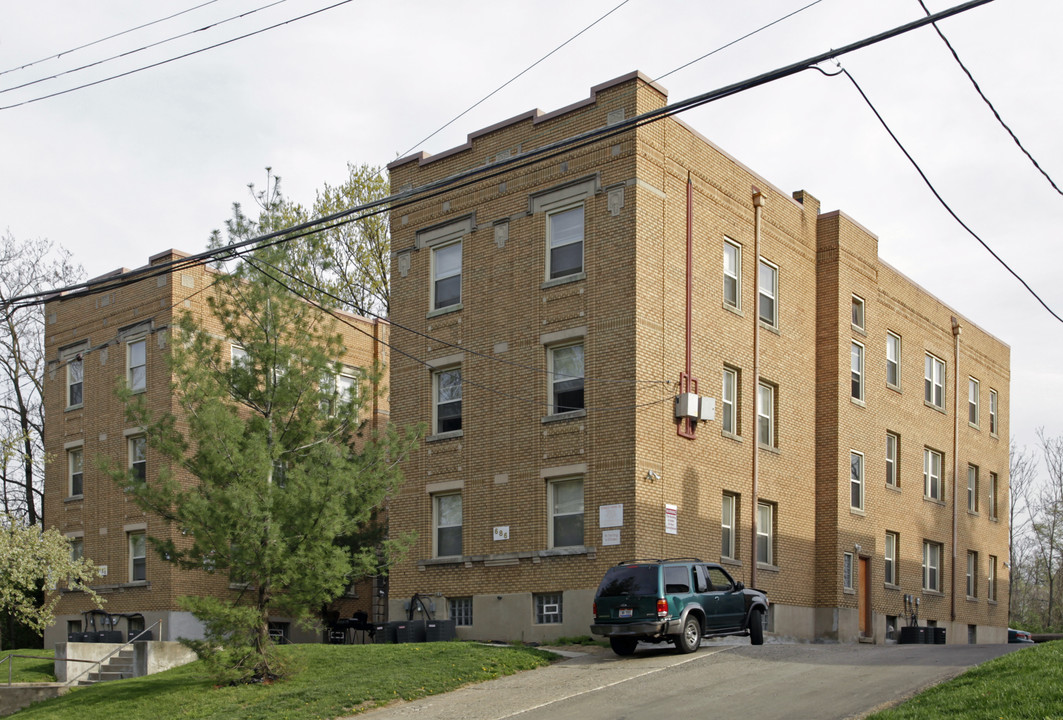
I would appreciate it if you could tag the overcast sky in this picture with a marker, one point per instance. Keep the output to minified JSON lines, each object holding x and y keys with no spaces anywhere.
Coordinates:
{"x":127,"y":168}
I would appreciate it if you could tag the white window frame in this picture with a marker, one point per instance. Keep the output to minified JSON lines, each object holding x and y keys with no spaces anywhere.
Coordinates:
{"x":856,"y":480}
{"x":132,"y":376}
{"x":848,"y":570}
{"x":771,"y":292}
{"x":729,"y":401}
{"x":858,"y":319}
{"x":934,"y":382}
{"x":75,"y":377}
{"x":553,"y":515}
{"x":973,"y":390}
{"x":79,"y":464}
{"x":889,"y":556}
{"x":972,"y":488}
{"x":132,"y":443}
{"x":991,"y":579}
{"x":893,"y":359}
{"x":550,"y":247}
{"x":733,"y":274}
{"x":438,"y":276}
{"x":993,"y":487}
{"x":766,"y":414}
{"x":549,"y":608}
{"x":893,"y":467}
{"x":993,"y":412}
{"x":932,"y":553}
{"x":131,"y":543}
{"x":238,"y":356}
{"x":558,"y":378}
{"x":438,"y":525}
{"x":933,"y":486}
{"x":728,"y":534}
{"x":436,"y":401}
{"x":972,"y":574}
{"x":856,"y":367}
{"x":765,"y":533}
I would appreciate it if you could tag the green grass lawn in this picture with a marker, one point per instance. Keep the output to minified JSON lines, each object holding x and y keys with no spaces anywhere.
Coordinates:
{"x":26,"y":670}
{"x":332,"y":681}
{"x":1023,"y":684}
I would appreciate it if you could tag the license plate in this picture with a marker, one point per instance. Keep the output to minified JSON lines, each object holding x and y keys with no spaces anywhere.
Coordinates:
{"x":625,"y":612}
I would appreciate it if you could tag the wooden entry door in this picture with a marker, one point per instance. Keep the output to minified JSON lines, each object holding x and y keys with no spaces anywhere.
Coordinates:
{"x":863,"y":597}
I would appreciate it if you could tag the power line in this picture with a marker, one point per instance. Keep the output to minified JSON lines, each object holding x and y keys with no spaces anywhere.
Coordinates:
{"x":142,"y":48}
{"x":109,"y":37}
{"x":991,"y":107}
{"x":942,"y":200}
{"x":507,"y":82}
{"x":178,"y":57}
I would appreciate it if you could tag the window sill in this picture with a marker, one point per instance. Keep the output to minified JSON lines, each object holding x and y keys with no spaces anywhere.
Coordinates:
{"x":239,"y":586}
{"x":732,"y":562}
{"x":770,"y":328}
{"x":134,"y":584}
{"x":574,"y":277}
{"x":991,"y":602}
{"x":933,"y":593}
{"x":994,"y":435}
{"x":766,"y":566}
{"x":848,"y":591}
{"x":141,"y":391}
{"x":974,"y":426}
{"x":559,"y":417}
{"x":893,"y":488}
{"x":731,"y":436}
{"x":857,"y":511}
{"x":858,"y":330}
{"x":69,"y":408}
{"x":935,"y":407}
{"x":733,"y":309}
{"x":450,"y":435}
{"x":74,"y":499}
{"x":936,"y":501}
{"x":768,"y":448}
{"x":857,"y":401}
{"x":894,"y":388}
{"x":994,"y":519}
{"x":510,"y":558}
{"x":444,"y":311}
{"x":890,"y":586}
{"x":973,"y":513}
{"x":971,"y":599}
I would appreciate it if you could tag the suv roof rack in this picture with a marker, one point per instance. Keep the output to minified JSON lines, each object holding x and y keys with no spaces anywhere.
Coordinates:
{"x":659,"y":560}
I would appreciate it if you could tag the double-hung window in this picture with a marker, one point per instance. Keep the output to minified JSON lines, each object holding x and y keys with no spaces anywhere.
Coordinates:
{"x":138,"y":553}
{"x":932,"y":487}
{"x":75,"y":382}
{"x":931,"y":566}
{"x":447,"y":516}
{"x":893,"y":453}
{"x":732,"y":273}
{"x":138,"y":457}
{"x":566,"y":378}
{"x":566,"y":512}
{"x":727,"y":526}
{"x":972,"y":574}
{"x":858,"y":313}
{"x":857,"y":367}
{"x":564,"y":242}
{"x":991,"y":577}
{"x":768,"y":293}
{"x":934,"y":382}
{"x":446,"y":275}
{"x":447,"y":404}
{"x":972,"y":401}
{"x":75,"y":459}
{"x":972,"y":488}
{"x":992,"y":412}
{"x":765,"y":533}
{"x":893,"y":360}
{"x":77,"y":548}
{"x":992,"y":496}
{"x":766,"y":415}
{"x":856,"y":480}
{"x":137,"y":365}
{"x":729,"y":402}
{"x":889,"y":553}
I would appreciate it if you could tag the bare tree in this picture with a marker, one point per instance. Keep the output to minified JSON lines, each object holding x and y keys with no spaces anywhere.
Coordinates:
{"x":1048,"y":525}
{"x":1022,"y":475}
{"x":25,"y":267}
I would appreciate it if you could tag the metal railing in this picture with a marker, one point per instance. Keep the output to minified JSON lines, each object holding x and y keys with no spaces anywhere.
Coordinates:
{"x":99,"y":663}
{"x":11,"y":663}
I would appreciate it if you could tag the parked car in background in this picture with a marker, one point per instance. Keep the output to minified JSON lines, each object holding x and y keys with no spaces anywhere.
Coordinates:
{"x":680,"y":601}
{"x":1019,"y":636}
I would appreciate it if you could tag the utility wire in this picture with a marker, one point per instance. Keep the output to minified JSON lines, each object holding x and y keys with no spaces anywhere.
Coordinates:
{"x":142,"y":48}
{"x":484,"y":172}
{"x":942,"y":200}
{"x":991,"y":107}
{"x":507,"y":82}
{"x":737,"y":40}
{"x":178,"y":57}
{"x":109,"y":37}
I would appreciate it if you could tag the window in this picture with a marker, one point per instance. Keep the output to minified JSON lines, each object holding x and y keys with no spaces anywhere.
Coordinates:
{"x":766,"y":415}
{"x":893,"y":467}
{"x":461,"y":611}
{"x":972,"y":401}
{"x":728,"y":548}
{"x":548,"y":607}
{"x":136,"y":365}
{"x":991,"y":577}
{"x":75,"y":464}
{"x":565,"y":238}
{"x":972,"y":488}
{"x":993,"y":496}
{"x":765,"y":533}
{"x":992,"y":411}
{"x":732,"y":274}
{"x":932,"y":487}
{"x":729,"y":401}
{"x":446,"y":275}
{"x":768,"y":290}
{"x":847,"y":570}
{"x":934,"y":382}
{"x":138,"y":457}
{"x":857,"y":366}
{"x":346,"y":387}
{"x":889,"y":553}
{"x":931,"y":566}
{"x":858,"y":312}
{"x":75,"y":382}
{"x":238,"y":358}
{"x":566,"y":378}
{"x":77,"y":548}
{"x":137,"y":557}
{"x":856,"y":481}
{"x":448,"y":400}
{"x":972,"y":574}
{"x":893,"y":360}
{"x":566,"y":512}
{"x":447,"y":516}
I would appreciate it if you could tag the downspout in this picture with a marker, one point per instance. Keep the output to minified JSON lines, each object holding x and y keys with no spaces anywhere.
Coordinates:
{"x":758,"y":204}
{"x":956,"y":330}
{"x":687,"y":382}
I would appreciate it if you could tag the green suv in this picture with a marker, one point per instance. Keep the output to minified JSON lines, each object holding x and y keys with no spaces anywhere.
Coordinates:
{"x":680,"y":601}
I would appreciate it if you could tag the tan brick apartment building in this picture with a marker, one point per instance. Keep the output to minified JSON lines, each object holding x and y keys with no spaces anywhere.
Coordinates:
{"x":544,"y":321}
{"x":93,"y":342}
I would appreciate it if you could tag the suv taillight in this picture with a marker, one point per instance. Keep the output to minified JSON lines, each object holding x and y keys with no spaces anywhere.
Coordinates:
{"x":595,"y":609}
{"x":662,"y":607}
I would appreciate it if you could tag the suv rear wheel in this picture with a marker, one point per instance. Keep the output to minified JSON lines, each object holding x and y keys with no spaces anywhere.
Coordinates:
{"x":690,"y":637}
{"x":623,"y":645}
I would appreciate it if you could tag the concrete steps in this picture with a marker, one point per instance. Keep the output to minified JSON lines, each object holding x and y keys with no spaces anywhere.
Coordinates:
{"x":119,"y":667}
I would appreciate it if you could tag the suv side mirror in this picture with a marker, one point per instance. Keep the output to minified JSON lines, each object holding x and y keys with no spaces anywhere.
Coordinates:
{"x":739,"y":586}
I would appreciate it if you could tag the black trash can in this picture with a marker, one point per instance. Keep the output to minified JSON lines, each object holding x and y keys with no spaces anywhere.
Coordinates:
{"x":939,"y":636}
{"x":439,"y":630}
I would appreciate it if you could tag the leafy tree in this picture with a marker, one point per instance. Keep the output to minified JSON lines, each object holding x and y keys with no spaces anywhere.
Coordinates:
{"x":284,"y":463}
{"x":32,"y":559}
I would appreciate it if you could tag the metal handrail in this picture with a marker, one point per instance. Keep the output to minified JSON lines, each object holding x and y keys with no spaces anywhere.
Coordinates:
{"x":11,"y":663}
{"x":114,"y":652}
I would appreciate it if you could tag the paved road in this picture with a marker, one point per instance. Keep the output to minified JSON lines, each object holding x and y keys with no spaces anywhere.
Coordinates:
{"x":776,"y":680}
